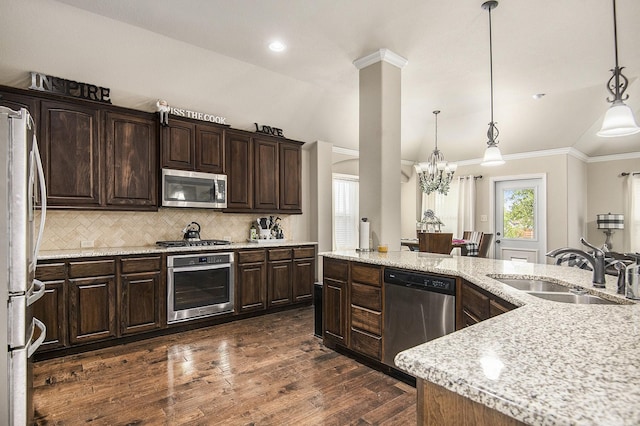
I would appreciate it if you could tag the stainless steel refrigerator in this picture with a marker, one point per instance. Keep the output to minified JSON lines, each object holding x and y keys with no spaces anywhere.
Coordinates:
{"x":21,"y":187}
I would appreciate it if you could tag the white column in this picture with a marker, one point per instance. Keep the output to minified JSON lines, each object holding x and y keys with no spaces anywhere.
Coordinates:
{"x":380,"y":86}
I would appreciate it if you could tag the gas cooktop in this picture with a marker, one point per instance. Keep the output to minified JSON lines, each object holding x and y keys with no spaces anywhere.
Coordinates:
{"x":192,"y":243}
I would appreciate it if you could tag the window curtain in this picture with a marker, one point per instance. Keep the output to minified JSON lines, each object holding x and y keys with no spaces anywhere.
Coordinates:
{"x":345,"y":212}
{"x":632,"y":213}
{"x":456,"y":209}
{"x":467,"y":204}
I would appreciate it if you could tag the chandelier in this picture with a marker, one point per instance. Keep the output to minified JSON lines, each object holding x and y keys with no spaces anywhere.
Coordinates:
{"x":619,"y":119}
{"x":492,"y":155}
{"x":436,"y":173}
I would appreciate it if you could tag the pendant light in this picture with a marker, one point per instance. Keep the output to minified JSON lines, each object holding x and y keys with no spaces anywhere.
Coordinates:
{"x":492,"y":155}
{"x":436,"y":174}
{"x":619,"y":119}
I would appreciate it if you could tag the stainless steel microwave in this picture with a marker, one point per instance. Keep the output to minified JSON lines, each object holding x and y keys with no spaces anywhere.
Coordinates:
{"x":182,"y":188}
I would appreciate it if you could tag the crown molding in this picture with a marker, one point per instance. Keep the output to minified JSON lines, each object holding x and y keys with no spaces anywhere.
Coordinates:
{"x":345,"y":151}
{"x":382,"y":55}
{"x":613,"y":157}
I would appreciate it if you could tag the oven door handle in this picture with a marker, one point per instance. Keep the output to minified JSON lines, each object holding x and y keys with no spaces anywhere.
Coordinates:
{"x":199,"y":268}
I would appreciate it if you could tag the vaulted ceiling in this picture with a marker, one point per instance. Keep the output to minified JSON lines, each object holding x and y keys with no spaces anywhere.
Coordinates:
{"x":563,"y":49}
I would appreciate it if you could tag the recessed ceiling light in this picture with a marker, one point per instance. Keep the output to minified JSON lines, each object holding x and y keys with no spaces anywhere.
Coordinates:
{"x":277,"y":46}
{"x":538,"y":95}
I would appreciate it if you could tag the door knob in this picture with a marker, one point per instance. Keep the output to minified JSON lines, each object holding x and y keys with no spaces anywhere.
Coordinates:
{"x":497,"y":241}
{"x":498,"y":234}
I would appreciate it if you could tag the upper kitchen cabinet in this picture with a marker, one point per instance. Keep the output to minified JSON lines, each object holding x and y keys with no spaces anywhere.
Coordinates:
{"x":70,"y":141}
{"x":178,"y":145}
{"x":193,"y":147}
{"x":290,"y":177}
{"x":266,"y":190}
{"x":239,"y":171}
{"x":130,"y":164}
{"x":264,"y":174}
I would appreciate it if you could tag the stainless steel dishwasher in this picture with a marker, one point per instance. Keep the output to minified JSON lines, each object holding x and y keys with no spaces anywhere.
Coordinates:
{"x":418,"y":308}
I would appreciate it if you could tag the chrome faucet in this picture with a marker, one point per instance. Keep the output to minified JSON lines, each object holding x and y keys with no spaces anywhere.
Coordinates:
{"x":596,"y":260}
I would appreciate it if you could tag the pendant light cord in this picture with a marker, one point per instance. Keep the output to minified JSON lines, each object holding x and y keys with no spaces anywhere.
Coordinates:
{"x":491,"y":62}
{"x":615,"y":32}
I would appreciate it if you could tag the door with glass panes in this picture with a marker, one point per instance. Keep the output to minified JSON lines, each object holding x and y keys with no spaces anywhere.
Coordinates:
{"x":520,"y":220}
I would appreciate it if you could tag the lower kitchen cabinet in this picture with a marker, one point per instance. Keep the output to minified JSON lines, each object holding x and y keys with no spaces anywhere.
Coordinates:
{"x":279,"y":284}
{"x":304,"y":273}
{"x":251,"y":281}
{"x":51,"y":308}
{"x":142,"y":294}
{"x":92,"y":309}
{"x":334,"y":303}
{"x":365,"y":321}
{"x":476,"y":305}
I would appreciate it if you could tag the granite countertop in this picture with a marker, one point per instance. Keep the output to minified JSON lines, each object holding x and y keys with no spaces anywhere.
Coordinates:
{"x":123,"y":251}
{"x":545,"y":362}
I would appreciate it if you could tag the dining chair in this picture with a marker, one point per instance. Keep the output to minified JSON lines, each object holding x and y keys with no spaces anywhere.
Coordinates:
{"x":435,"y":242}
{"x":483,"y":246}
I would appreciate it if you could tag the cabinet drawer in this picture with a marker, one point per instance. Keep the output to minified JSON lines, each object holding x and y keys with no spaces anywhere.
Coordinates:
{"x":92,"y":269}
{"x":141,"y":264}
{"x":366,"y":319}
{"x":366,"y":296}
{"x":499,"y":306}
{"x":336,"y":269}
{"x":302,"y":252}
{"x":366,"y":274}
{"x":475,"y":302}
{"x":251,"y":256}
{"x":366,"y":344}
{"x":50,"y":272}
{"x":279,"y":254}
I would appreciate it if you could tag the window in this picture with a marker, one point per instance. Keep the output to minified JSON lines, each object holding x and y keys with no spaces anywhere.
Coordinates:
{"x":632,"y":213}
{"x":456,"y":209}
{"x":345,"y":212}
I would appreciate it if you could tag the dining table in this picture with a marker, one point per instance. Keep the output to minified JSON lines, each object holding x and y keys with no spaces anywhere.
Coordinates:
{"x":467,"y":247}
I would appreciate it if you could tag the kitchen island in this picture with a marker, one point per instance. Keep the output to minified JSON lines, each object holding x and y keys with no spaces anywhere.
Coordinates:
{"x":542,"y":363}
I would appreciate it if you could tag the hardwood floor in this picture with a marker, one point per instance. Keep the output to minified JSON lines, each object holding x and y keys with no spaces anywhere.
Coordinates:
{"x":259,"y":371}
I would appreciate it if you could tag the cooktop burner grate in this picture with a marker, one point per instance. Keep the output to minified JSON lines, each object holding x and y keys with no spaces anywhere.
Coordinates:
{"x":198,"y":243}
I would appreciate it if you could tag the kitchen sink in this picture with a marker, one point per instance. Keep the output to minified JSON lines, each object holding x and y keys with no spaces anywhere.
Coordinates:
{"x":525,"y":284}
{"x":573,"y":298}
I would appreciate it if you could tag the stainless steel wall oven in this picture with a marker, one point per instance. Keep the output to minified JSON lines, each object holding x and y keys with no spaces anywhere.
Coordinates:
{"x":199,"y":285}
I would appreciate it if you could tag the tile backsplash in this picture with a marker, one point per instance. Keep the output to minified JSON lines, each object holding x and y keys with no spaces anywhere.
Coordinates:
{"x":67,"y":229}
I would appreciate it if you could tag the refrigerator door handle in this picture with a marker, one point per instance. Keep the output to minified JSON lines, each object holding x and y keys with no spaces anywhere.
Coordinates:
{"x":33,"y":346}
{"x":35,"y":292}
{"x":43,"y":197}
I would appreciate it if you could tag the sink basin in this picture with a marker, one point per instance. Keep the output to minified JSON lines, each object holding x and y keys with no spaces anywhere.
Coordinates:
{"x":573,"y":298}
{"x":532,"y":285}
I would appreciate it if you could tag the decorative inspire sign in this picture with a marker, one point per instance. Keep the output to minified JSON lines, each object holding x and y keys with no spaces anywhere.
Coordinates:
{"x":74,"y":89}
{"x":268,"y":130}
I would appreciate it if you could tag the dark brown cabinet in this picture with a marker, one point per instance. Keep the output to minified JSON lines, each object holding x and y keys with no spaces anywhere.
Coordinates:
{"x":476,"y":305}
{"x":178,"y":145}
{"x":193,"y":147}
{"x":279,"y":284}
{"x":71,"y":151}
{"x":251,"y":280}
{"x":51,"y":308}
{"x":290,"y":177}
{"x":266,"y":189}
{"x":210,"y":156}
{"x":92,"y":301}
{"x":304,"y":273}
{"x":264,"y":174}
{"x":334,"y":303}
{"x":131,"y":166}
{"x":239,"y":160}
{"x":366,"y":309}
{"x":142,"y":294}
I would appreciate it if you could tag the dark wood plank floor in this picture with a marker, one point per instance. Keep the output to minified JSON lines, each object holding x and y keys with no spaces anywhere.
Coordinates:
{"x":262,"y":371}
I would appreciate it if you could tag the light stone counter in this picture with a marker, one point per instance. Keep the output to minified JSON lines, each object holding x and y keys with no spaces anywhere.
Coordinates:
{"x":125,"y":251}
{"x":544,"y":363}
